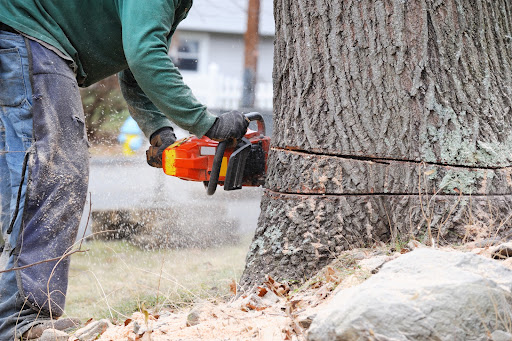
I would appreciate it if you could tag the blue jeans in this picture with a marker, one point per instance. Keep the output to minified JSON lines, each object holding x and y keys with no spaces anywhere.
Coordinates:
{"x":43,"y":180}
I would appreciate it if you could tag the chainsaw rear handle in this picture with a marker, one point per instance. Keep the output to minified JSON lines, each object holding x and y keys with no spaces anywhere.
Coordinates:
{"x":221,"y":148}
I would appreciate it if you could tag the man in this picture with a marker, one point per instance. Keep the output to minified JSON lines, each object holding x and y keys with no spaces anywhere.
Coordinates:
{"x":47,"y":49}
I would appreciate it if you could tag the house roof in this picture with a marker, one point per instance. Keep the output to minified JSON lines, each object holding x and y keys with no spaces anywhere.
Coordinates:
{"x":227,"y":16}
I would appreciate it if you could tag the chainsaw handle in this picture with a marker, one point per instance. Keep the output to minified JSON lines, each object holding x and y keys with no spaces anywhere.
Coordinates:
{"x":256,"y":116}
{"x":221,"y":148}
{"x":217,"y":163}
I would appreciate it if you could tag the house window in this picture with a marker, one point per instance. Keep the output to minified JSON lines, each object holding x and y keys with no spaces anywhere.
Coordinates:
{"x":186,"y":56}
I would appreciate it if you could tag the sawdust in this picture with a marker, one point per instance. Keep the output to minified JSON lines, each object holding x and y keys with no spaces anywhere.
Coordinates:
{"x":269,"y":311}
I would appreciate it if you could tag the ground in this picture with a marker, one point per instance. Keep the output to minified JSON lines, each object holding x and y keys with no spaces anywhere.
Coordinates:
{"x":274,"y":312}
{"x":190,"y":294}
{"x":113,"y":279}
{"x":200,"y":301}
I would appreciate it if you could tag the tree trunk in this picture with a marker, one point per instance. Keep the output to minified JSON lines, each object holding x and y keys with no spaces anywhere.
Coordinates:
{"x":391,"y":122}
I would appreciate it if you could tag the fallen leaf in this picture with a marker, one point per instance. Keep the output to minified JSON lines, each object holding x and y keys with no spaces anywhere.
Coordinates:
{"x":292,"y":306}
{"x":256,"y":308}
{"x":232,"y":287}
{"x":127,"y":322}
{"x":317,"y":285}
{"x":269,"y":281}
{"x":280,"y":289}
{"x":330,"y":275}
{"x":262,"y":291}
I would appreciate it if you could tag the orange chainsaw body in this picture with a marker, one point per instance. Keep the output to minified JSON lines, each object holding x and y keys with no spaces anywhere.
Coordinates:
{"x":192,"y":159}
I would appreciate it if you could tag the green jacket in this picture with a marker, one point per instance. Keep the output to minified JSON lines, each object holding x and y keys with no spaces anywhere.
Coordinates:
{"x":131,"y":37}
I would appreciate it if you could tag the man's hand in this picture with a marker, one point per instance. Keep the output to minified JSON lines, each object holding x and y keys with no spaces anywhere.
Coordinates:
{"x":160,"y":139}
{"x":232,"y":124}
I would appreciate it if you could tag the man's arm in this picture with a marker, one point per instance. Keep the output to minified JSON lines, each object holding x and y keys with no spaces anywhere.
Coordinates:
{"x":143,"y":111}
{"x":146,"y":26}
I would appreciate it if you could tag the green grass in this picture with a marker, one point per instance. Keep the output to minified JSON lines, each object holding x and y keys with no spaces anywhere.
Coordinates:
{"x":114,"y":279}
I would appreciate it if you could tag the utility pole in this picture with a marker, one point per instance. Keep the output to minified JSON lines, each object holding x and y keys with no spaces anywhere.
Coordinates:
{"x":251,"y":54}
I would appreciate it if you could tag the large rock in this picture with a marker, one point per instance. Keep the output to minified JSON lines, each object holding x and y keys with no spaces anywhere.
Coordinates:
{"x":54,"y":335}
{"x":93,"y":330}
{"x":424,"y":295}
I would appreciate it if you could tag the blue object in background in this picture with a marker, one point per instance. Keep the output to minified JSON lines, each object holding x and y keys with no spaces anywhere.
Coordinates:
{"x":131,"y":137}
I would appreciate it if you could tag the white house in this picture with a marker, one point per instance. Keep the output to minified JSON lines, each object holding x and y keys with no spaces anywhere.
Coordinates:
{"x":208,"y":48}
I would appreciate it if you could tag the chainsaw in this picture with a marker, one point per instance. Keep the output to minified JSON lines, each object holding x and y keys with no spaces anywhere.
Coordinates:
{"x":232,"y":164}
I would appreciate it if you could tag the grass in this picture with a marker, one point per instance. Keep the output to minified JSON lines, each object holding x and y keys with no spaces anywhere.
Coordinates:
{"x":114,"y":279}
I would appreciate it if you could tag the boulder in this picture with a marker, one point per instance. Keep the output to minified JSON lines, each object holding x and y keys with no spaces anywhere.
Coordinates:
{"x":54,"y":335}
{"x":93,"y":330}
{"x":426,"y":294}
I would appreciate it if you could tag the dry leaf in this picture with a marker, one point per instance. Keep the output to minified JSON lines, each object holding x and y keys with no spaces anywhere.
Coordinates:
{"x":286,"y":287}
{"x":251,"y":306}
{"x":317,"y":285}
{"x":232,"y":287}
{"x":254,"y":307}
{"x":280,"y":289}
{"x":292,"y":306}
{"x":127,"y":322}
{"x":262,"y":291}
{"x":146,"y":336}
{"x":329,"y":275}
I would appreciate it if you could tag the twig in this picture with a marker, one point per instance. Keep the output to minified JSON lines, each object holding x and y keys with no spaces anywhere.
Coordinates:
{"x":44,"y":261}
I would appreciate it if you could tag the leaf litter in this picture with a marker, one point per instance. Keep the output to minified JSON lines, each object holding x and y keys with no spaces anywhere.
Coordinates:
{"x":270,"y":311}
{"x":273,"y":310}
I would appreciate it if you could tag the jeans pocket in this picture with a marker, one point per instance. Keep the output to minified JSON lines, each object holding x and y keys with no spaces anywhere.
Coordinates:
{"x":12,"y":86}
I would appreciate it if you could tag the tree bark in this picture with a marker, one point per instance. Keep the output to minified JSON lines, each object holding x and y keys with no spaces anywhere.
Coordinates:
{"x":392,"y":121}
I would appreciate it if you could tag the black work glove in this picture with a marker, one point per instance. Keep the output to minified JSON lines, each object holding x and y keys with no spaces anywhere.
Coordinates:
{"x":160,"y":140}
{"x":229,"y":125}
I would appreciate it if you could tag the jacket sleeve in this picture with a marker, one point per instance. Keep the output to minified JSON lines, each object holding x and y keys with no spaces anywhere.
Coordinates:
{"x":146,"y":26}
{"x":143,"y":111}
